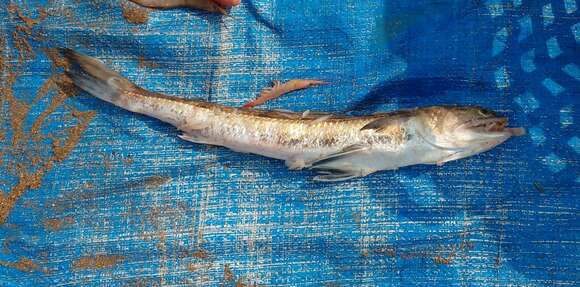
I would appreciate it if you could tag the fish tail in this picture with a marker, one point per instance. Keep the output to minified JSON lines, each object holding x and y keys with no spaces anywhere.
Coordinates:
{"x":92,"y":76}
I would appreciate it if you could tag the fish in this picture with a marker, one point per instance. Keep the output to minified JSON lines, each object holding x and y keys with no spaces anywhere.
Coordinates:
{"x":207,"y":5}
{"x":337,"y":147}
{"x":279,"y":89}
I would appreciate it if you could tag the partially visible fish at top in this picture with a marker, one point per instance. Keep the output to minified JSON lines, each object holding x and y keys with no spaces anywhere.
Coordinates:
{"x":337,"y":147}
{"x":213,"y":6}
{"x":279,"y":89}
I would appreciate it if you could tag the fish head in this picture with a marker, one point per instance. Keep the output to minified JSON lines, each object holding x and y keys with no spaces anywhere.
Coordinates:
{"x":469,"y":129}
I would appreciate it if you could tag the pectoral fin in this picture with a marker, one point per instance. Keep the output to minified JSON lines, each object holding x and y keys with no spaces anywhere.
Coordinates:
{"x":345,"y":164}
{"x":381,"y":123}
{"x":334,"y":158}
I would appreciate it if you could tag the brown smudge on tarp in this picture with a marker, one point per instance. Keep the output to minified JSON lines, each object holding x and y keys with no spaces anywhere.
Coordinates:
{"x":156,"y":181}
{"x":240,"y":283}
{"x":230,"y":277}
{"x":134,"y":13}
{"x":154,"y":217}
{"x":151,"y":182}
{"x":201,"y":254}
{"x":86,"y":192}
{"x":128,"y":160}
{"x":442,"y":254}
{"x":141,"y":282}
{"x":390,"y":252}
{"x":22,"y":34}
{"x":29,"y":22}
{"x":29,"y":174}
{"x":100,"y":261}
{"x":144,"y":63}
{"x":32,"y":180}
{"x":23,"y":46}
{"x":23,"y":264}
{"x":56,"y":224}
{"x":443,"y":260}
{"x":192,"y":267}
{"x":56,"y":58}
{"x":228,"y":274}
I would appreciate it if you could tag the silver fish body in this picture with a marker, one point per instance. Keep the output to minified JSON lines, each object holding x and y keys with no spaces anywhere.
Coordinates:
{"x":338,"y":147}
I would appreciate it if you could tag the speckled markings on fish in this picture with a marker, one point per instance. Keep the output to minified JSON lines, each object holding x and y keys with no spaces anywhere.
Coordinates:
{"x":338,"y":147}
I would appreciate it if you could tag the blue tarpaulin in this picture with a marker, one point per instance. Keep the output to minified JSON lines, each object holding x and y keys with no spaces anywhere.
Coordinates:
{"x":92,"y":195}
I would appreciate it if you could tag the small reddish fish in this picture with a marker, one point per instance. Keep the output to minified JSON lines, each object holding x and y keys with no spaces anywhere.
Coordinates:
{"x":214,"y":6}
{"x":279,"y":89}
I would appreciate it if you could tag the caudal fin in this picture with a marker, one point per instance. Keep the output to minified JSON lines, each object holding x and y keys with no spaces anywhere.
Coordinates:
{"x":92,"y":76}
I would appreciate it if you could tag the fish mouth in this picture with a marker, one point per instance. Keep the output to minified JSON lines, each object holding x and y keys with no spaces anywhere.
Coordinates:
{"x":493,"y":127}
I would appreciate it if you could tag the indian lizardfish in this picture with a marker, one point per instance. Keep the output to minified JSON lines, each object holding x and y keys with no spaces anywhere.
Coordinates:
{"x":337,"y":147}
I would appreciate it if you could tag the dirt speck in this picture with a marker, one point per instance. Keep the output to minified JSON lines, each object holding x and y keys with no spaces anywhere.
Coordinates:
{"x":538,"y":187}
{"x":390,"y":252}
{"x":443,"y":260}
{"x":29,"y":22}
{"x":228,"y":274}
{"x":100,"y":261}
{"x":151,"y":182}
{"x":128,"y":160}
{"x":56,"y":224}
{"x":156,"y":180}
{"x":58,"y":61}
{"x":24,"y":33}
{"x":192,"y":267}
{"x":201,"y":254}
{"x":134,"y":13}
{"x":24,"y":47}
{"x":240,"y":283}
{"x":145,"y":63}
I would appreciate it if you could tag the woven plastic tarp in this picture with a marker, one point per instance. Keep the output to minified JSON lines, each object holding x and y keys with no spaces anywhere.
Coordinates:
{"x":92,"y":195}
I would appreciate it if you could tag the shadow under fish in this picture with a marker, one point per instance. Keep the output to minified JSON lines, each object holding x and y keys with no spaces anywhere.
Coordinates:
{"x":390,"y":92}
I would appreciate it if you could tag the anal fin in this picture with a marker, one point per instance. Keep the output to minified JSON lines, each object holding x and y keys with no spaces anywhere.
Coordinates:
{"x":196,"y":139}
{"x":335,"y":175}
{"x":192,"y":137}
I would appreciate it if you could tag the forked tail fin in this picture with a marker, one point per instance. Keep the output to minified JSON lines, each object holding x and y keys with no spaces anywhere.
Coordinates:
{"x":93,"y":76}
